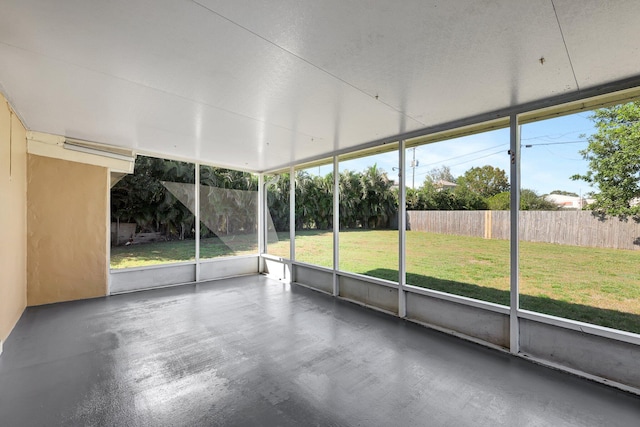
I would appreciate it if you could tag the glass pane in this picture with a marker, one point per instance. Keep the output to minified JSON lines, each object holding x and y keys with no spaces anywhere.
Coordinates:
{"x":458,"y":223}
{"x":152,"y":214}
{"x":368,"y":216}
{"x":314,"y":215}
{"x":228,"y":212}
{"x":278,"y":202}
{"x":579,"y":236}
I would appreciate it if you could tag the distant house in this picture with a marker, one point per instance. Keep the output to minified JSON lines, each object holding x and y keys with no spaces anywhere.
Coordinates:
{"x":444,"y":185}
{"x":568,"y":202}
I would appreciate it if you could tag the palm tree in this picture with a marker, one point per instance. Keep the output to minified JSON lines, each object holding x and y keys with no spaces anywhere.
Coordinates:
{"x":378,"y":200}
{"x":350,"y":200}
{"x":325,"y":201}
{"x":278,"y":202}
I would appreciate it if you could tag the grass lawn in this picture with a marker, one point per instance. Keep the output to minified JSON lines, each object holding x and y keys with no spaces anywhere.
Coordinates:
{"x":595,"y":285}
{"x":182,"y":250}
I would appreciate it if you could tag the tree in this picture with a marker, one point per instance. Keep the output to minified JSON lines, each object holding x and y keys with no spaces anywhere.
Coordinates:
{"x":429,"y":197}
{"x":485,"y":181}
{"x":500,"y":202}
{"x":529,"y":201}
{"x":314,"y":201}
{"x":614,"y":160}
{"x":436,"y":175}
{"x":324,"y":201}
{"x":278,"y":200}
{"x":468,"y":200}
{"x":350,"y":186}
{"x":143,"y":198}
{"x":378,"y":201}
{"x":228,"y":201}
{"x":564,"y":193}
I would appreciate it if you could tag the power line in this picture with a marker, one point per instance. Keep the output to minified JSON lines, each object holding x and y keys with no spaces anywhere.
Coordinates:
{"x":463,"y":155}
{"x":582,"y":141}
{"x":478,"y":158}
{"x":489,"y":154}
{"x":554,"y":136}
{"x":563,"y":157}
{"x":466,"y":161}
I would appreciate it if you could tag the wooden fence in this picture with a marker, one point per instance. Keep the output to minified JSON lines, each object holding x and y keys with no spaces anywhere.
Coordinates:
{"x":577,"y":228}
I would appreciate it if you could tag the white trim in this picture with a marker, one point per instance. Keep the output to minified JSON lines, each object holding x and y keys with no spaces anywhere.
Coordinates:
{"x":370,"y":279}
{"x":164,"y":156}
{"x":313,"y":288}
{"x":459,"y":335}
{"x":172,"y":285}
{"x":56,"y":147}
{"x":476,"y":303}
{"x":275,"y":258}
{"x":312,"y":266}
{"x":82,"y":149}
{"x":371,"y":307}
{"x":149,"y":267}
{"x":223,"y":258}
{"x":587,"y":328}
{"x":175,"y":264}
{"x":578,"y":373}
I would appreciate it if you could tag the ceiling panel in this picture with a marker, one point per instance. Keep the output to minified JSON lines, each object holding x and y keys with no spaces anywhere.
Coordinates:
{"x":259,"y":85}
{"x":55,"y":97}
{"x":603,"y":38}
{"x":421,"y":57}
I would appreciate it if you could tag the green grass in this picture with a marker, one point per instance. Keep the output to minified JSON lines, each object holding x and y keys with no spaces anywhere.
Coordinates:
{"x":181,"y":250}
{"x":595,"y":285}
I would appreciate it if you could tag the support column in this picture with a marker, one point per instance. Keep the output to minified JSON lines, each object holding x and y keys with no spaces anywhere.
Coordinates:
{"x":262,"y":229}
{"x":336,"y":225}
{"x":292,"y":214}
{"x":402,"y":233}
{"x":514,"y":154}
{"x":197,"y":219}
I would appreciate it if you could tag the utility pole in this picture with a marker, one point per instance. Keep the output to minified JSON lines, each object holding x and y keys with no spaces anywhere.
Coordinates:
{"x":414,"y":164}
{"x":580,"y":199}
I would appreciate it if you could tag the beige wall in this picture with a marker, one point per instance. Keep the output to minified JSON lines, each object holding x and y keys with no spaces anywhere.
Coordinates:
{"x":67,"y":230}
{"x":53,"y":217}
{"x":13,"y":207}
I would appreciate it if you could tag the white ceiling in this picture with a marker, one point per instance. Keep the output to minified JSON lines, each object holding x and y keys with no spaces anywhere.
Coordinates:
{"x":259,"y":85}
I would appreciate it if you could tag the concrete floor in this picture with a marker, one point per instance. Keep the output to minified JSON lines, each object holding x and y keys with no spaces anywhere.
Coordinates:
{"x":252,"y":351}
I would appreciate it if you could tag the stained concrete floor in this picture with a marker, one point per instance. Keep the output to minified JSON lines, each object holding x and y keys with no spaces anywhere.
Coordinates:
{"x":253,"y":351}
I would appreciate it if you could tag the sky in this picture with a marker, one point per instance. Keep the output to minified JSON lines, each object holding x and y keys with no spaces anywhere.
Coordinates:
{"x":549,"y":157}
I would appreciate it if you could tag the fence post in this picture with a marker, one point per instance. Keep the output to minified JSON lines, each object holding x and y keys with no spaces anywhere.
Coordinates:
{"x":488,"y":224}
